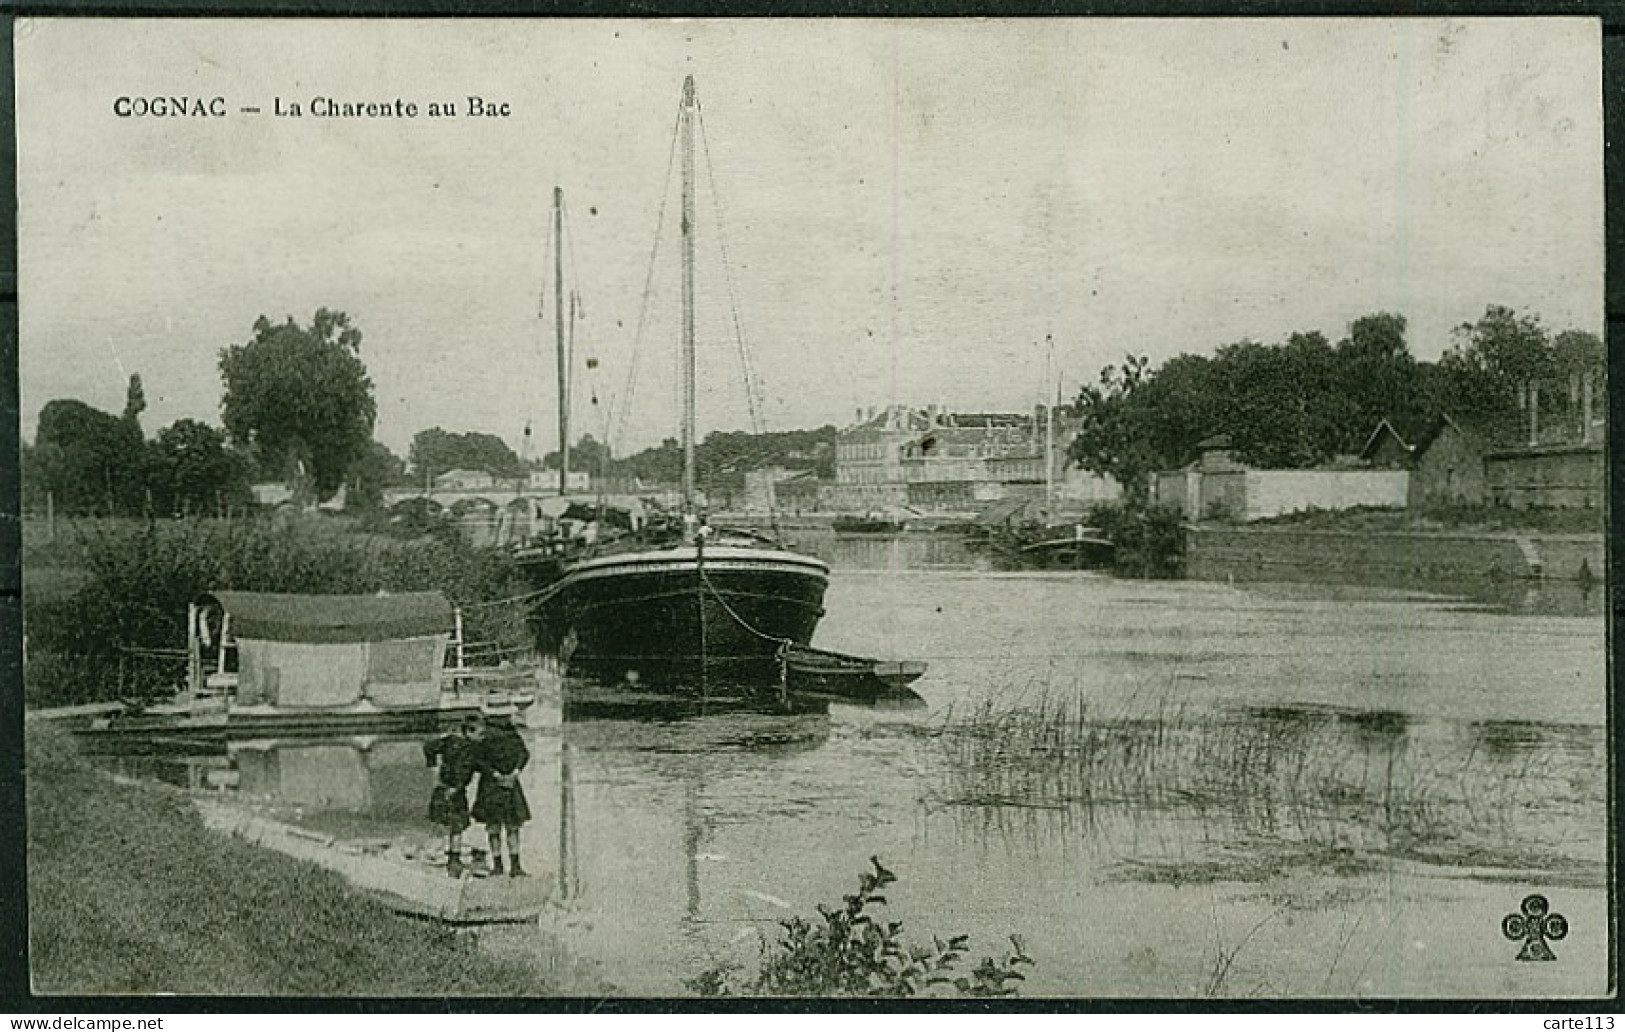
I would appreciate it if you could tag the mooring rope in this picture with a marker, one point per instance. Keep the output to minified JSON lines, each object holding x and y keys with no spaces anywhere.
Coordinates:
{"x":535,"y":597}
{"x":781,"y":653}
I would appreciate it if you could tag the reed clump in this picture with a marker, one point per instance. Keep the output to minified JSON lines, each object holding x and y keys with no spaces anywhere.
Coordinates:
{"x":1316,"y":786}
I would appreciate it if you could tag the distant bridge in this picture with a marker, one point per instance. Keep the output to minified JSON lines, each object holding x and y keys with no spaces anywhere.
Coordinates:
{"x":497,"y":496}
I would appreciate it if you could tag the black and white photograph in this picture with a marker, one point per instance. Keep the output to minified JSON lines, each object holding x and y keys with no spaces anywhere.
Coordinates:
{"x":946,"y":509}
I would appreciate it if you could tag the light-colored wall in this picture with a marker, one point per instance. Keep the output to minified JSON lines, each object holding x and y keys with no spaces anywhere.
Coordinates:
{"x":1178,"y":490}
{"x":1275,"y":492}
{"x":1222,"y":495}
{"x":1260,"y":493}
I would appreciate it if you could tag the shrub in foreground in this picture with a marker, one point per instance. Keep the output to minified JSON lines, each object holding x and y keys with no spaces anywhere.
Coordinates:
{"x":849,"y":952}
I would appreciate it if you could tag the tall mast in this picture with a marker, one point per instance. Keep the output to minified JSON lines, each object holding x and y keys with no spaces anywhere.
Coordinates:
{"x":558,"y":326}
{"x":687,"y":118}
{"x":1049,"y":423}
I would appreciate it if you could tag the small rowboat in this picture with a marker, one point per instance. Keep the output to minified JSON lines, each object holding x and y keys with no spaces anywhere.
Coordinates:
{"x":810,"y":671}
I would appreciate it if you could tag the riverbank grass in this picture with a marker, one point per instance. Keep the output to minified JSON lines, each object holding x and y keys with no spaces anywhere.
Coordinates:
{"x":129,"y":893}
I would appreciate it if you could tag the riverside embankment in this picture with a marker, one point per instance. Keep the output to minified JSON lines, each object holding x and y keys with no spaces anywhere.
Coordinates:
{"x":130,"y":892}
{"x":1220,"y":552}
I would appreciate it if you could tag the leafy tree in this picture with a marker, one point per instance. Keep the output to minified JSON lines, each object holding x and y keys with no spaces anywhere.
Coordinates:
{"x":660,"y":465}
{"x":1290,"y":405}
{"x":135,"y":401}
{"x":92,"y":462}
{"x":376,"y":469}
{"x":1111,"y":437}
{"x":1268,"y":410}
{"x":1325,"y":415}
{"x":725,"y":456}
{"x":1377,"y":379}
{"x":1179,"y":406}
{"x":191,"y":471}
{"x":587,"y":454}
{"x":1579,"y":362}
{"x":1483,"y":377}
{"x":436,"y":451}
{"x":300,"y":399}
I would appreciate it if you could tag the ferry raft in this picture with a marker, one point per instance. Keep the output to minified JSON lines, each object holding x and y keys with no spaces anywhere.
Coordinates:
{"x":282,"y":664}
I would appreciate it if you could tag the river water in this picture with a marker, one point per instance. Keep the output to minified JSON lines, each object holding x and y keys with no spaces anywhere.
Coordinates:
{"x":1164,"y":788}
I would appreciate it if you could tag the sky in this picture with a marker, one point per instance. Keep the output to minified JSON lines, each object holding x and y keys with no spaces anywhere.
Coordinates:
{"x":888,"y":210}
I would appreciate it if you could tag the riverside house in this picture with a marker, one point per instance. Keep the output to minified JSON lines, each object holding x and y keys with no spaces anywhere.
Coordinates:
{"x":935,"y":459}
{"x":1447,"y":466}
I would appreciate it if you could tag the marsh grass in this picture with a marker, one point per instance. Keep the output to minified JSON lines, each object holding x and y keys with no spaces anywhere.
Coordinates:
{"x":105,"y":601}
{"x":1261,"y":791}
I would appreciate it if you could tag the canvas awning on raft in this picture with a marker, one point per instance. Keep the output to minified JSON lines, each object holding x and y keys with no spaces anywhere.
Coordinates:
{"x":334,"y":619}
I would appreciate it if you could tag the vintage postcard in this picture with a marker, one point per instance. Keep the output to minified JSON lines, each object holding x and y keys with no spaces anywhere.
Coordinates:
{"x":1037,"y":508}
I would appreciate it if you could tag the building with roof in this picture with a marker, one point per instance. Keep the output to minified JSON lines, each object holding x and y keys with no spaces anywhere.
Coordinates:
{"x":1447,"y":466}
{"x":937,"y":459}
{"x":1385,"y":449}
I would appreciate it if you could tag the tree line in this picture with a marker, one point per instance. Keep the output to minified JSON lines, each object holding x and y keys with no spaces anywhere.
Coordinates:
{"x":296,"y":406}
{"x":1307,"y":401}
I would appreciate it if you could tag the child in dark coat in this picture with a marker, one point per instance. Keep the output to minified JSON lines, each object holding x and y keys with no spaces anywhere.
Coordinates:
{"x":500,"y":803}
{"x":456,"y":756}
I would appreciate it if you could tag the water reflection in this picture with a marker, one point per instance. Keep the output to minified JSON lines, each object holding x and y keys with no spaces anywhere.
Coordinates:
{"x":590,"y":700}
{"x":363,"y":786}
{"x":914,"y":550}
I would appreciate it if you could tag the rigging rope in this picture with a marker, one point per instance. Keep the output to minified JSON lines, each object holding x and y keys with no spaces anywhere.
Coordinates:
{"x":538,"y":596}
{"x":622,"y":405}
{"x":746,"y":366}
{"x":541,"y":312}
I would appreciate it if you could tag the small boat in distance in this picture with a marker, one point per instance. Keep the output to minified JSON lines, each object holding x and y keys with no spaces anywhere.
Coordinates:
{"x":1075,"y":548}
{"x":871,"y":523}
{"x":673,"y":604}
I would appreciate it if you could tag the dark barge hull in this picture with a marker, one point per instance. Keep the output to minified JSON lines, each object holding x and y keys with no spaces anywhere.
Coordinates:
{"x":680,"y":621}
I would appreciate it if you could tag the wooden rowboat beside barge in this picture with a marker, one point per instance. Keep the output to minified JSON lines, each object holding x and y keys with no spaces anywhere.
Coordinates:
{"x":837,"y":676}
